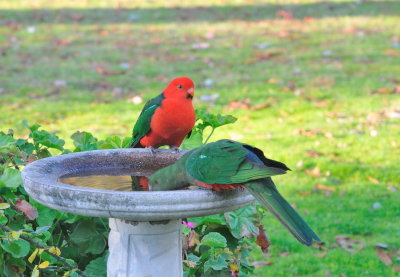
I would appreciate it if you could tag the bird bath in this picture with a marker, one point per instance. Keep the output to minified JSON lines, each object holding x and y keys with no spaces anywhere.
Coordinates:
{"x":145,"y":235}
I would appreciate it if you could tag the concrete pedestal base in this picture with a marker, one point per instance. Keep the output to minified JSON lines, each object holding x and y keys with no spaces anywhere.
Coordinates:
{"x":145,"y":249}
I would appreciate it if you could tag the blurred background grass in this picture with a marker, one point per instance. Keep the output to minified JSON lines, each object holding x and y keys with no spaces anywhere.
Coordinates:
{"x":315,"y":84}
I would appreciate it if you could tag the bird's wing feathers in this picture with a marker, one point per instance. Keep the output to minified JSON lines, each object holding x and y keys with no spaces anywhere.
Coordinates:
{"x":251,"y":171}
{"x":226,"y":162}
{"x":142,"y":125}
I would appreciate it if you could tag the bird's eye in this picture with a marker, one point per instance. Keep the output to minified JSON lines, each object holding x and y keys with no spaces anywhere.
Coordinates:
{"x":180,"y":86}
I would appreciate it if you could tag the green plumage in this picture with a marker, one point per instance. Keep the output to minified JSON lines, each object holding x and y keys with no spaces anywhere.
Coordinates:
{"x":224,"y":162}
{"x":230,"y":162}
{"x":142,"y":126}
{"x":265,"y":192}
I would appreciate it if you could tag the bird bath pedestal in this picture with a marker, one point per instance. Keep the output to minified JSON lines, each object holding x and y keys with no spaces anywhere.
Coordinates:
{"x":145,"y":235}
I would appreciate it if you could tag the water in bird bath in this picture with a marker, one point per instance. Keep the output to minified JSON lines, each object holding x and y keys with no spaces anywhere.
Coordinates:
{"x":112,"y":179}
{"x":115,"y":179}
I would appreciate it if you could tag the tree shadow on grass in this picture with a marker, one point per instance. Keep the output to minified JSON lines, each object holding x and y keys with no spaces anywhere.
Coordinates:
{"x":198,"y":14}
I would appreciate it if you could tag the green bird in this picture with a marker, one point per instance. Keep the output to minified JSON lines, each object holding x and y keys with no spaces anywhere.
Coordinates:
{"x":228,"y":164}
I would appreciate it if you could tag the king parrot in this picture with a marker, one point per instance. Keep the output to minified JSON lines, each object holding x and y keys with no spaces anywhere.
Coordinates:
{"x":228,"y":164}
{"x":167,"y":118}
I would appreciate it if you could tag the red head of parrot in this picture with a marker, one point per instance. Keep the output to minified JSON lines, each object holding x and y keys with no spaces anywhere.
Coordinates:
{"x":180,"y":88}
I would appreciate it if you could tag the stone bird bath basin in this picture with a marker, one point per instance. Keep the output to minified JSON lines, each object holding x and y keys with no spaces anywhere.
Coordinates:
{"x":144,"y":239}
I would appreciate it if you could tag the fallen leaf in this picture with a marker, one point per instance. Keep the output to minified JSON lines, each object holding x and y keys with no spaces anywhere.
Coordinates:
{"x":383,"y":256}
{"x":326,"y":188}
{"x":384,"y":91}
{"x":287,"y":15}
{"x":62,"y":42}
{"x":239,"y":104}
{"x":397,"y":268}
{"x":105,"y":72}
{"x":259,"y":264}
{"x":23,"y":206}
{"x":373,"y":180}
{"x":392,"y":52}
{"x":283,"y":113}
{"x":313,"y":154}
{"x":262,"y":239}
{"x":260,"y":106}
{"x":316,"y":172}
{"x":284,"y":254}
{"x":321,"y":104}
{"x":308,"y":19}
{"x":193,"y":239}
{"x":274,"y":81}
{"x":349,"y":244}
{"x":190,"y":264}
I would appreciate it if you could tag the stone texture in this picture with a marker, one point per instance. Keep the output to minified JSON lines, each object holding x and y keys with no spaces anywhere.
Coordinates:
{"x":40,"y":181}
{"x":144,"y":249}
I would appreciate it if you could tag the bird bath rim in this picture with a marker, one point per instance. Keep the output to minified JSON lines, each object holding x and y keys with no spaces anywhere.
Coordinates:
{"x":40,"y":180}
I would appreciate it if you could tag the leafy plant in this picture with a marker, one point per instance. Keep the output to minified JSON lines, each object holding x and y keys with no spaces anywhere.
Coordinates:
{"x":40,"y":240}
{"x":204,"y":120}
{"x":34,"y":238}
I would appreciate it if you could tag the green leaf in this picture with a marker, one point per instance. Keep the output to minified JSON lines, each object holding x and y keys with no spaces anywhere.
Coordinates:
{"x":25,"y":146}
{"x":195,"y":140}
{"x":17,"y":248}
{"x":3,"y":219}
{"x":40,"y":230}
{"x":193,"y":258}
{"x":46,"y":215}
{"x":47,"y":139}
{"x":84,"y":141}
{"x":212,"y":120}
{"x":16,"y":266}
{"x":207,"y":220}
{"x":97,"y":245}
{"x":97,"y":267}
{"x":242,"y":222}
{"x":115,"y":142}
{"x":218,"y":263}
{"x":11,"y":178}
{"x":6,"y":140}
{"x":214,"y":239}
{"x":32,"y":128}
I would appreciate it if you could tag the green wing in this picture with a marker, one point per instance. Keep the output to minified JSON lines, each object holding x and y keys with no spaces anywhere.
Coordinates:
{"x":142,"y":125}
{"x":226,"y":162}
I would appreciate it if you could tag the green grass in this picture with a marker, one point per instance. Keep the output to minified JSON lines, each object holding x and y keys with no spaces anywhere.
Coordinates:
{"x":317,"y":74}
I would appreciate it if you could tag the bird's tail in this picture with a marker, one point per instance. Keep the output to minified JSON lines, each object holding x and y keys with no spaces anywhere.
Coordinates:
{"x":135,"y":143}
{"x":266,"y":193}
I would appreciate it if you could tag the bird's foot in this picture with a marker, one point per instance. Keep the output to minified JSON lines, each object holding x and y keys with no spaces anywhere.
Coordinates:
{"x":174,"y":148}
{"x":152,"y":150}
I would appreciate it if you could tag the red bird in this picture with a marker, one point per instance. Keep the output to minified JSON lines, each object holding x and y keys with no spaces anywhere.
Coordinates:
{"x":167,"y":118}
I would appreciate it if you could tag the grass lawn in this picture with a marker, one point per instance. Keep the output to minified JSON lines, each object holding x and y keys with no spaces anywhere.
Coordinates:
{"x":316,"y":84}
